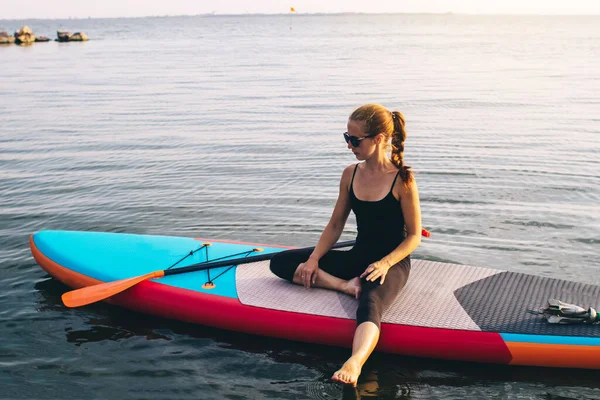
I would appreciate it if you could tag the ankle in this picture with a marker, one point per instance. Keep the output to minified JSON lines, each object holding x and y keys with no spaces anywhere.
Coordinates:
{"x":355,"y":360}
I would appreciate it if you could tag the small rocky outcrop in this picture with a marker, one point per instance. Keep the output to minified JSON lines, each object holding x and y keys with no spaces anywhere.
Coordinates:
{"x":5,"y":38}
{"x":62,"y":36}
{"x":24,"y":36}
{"x":78,"y":37}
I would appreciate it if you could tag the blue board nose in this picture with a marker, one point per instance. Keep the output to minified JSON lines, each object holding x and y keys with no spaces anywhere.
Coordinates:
{"x":112,"y":256}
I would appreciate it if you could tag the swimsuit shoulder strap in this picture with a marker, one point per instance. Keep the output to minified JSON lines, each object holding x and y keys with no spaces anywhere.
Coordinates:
{"x":352,"y":181}
{"x":393,"y":183}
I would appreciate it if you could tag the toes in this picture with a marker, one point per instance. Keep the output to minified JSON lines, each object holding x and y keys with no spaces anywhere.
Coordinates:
{"x":345,"y":378}
{"x":346,"y":375}
{"x":339,"y":376}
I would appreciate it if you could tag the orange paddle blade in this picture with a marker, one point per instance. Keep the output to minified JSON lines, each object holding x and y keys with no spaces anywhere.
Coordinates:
{"x":101,"y":291}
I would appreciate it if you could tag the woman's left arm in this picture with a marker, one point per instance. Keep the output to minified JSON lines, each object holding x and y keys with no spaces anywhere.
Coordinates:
{"x":411,"y":209}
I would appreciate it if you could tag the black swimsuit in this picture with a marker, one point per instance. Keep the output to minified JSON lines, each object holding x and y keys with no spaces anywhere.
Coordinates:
{"x":380,"y":226}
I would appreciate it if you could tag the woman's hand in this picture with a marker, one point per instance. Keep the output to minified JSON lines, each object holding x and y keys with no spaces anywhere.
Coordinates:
{"x":308,"y":272}
{"x":376,"y":270}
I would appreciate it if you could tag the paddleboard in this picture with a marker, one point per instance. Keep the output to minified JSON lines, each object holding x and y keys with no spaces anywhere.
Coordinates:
{"x":445,"y":311}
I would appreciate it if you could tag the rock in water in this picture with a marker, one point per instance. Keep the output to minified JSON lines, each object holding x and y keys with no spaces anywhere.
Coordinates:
{"x":63,"y":36}
{"x":78,"y":37}
{"x":25,"y":31}
{"x":24,"y":36}
{"x":42,"y":39}
{"x":5,"y":38}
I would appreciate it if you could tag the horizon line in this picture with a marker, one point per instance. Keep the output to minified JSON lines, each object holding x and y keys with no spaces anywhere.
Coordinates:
{"x":214,"y":14}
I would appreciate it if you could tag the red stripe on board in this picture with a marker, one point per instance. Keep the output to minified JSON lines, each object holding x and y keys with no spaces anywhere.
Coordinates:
{"x":227,"y":313}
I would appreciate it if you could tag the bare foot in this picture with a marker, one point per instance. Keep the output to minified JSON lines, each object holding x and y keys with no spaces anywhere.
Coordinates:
{"x":349,"y":372}
{"x":352,"y":287}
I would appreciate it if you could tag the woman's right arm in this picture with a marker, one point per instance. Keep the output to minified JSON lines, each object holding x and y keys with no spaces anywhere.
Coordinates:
{"x":332,"y":232}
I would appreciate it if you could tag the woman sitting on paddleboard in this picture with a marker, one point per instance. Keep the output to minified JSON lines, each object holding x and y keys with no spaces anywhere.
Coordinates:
{"x":383,"y":195}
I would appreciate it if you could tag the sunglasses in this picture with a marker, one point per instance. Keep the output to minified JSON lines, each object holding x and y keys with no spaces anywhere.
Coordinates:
{"x":355,"y":140}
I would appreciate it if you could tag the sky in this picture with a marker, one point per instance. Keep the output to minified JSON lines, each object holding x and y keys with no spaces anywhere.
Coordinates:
{"x":25,"y":9}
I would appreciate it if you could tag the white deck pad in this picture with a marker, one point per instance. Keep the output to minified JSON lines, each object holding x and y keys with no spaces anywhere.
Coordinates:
{"x":427,"y":299}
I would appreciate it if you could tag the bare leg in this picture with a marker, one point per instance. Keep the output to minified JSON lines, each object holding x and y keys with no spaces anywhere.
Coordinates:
{"x":325,"y":280}
{"x":365,"y":340}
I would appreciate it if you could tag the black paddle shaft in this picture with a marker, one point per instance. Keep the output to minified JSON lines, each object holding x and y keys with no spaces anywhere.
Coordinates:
{"x":243,"y":260}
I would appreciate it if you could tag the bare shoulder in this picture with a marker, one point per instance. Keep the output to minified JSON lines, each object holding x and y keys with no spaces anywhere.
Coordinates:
{"x":347,"y":175}
{"x":402,"y":190}
{"x":348,"y":172}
